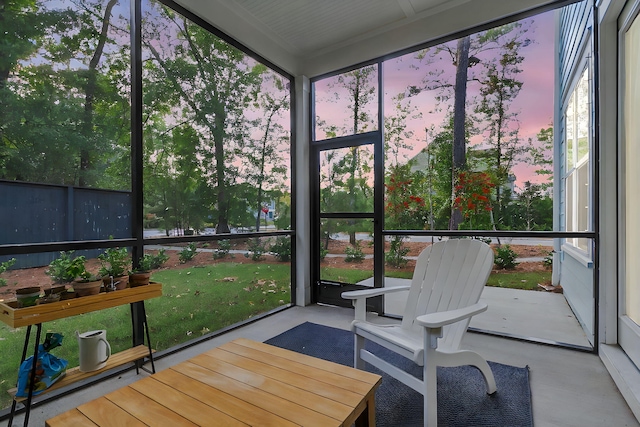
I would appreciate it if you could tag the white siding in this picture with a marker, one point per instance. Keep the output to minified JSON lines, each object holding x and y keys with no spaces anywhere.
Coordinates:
{"x":576,"y":274}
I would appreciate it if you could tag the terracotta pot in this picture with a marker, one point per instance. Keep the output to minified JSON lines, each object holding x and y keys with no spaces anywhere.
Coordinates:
{"x":120,"y":282}
{"x":139,"y":279}
{"x":84,"y":289}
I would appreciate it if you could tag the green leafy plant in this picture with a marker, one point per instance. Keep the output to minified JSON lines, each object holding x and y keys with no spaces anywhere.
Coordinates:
{"x":505,"y":258}
{"x":548,"y":260}
{"x":323,"y":251}
{"x":354,"y":253}
{"x":396,"y":257}
{"x":4,"y":266}
{"x":150,"y":262}
{"x":282,"y":248}
{"x":157,"y":260}
{"x":224,"y":246}
{"x":65,"y":269}
{"x":256,"y":249}
{"x":115,"y":262}
{"x":188,"y":253}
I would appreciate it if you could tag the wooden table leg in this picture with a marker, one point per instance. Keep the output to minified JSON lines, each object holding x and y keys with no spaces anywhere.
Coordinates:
{"x":368,"y":417}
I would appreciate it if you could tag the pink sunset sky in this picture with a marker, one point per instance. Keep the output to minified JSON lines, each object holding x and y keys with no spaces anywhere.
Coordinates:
{"x":534,"y":104}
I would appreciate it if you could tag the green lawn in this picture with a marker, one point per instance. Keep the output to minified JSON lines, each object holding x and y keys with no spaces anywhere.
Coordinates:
{"x":502,"y":279}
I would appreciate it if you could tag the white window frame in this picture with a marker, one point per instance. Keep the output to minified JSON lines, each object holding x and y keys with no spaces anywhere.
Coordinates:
{"x":573,"y":164}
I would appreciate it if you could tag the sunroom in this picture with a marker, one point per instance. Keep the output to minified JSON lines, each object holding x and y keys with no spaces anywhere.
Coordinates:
{"x":269,"y":156}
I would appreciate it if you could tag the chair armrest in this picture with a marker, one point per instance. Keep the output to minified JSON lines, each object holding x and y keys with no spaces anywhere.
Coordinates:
{"x":368,"y":293}
{"x":438,"y":320}
{"x":359,"y":299}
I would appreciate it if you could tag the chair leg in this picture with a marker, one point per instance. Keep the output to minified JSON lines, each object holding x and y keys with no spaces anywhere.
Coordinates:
{"x":358,"y":363}
{"x":471,"y":358}
{"x":430,"y":379}
{"x":489,"y":380}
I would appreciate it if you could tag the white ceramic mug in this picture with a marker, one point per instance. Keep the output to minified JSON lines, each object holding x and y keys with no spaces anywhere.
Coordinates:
{"x":94,"y":350}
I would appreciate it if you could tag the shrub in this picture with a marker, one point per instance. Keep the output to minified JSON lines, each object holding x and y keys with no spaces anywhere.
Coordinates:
{"x":548,"y":260}
{"x":282,"y":248}
{"x":4,"y":266}
{"x":256,"y":249}
{"x":354,"y":253}
{"x":223,"y":249}
{"x":323,"y":251}
{"x":152,"y":262}
{"x":397,"y":252}
{"x":505,"y":258}
{"x":187,"y":253}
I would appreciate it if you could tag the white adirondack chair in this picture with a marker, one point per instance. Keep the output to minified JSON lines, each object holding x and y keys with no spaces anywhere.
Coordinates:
{"x":447,"y":282}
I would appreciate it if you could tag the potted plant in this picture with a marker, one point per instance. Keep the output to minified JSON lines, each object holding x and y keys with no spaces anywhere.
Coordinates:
{"x":140,"y":276}
{"x":87,"y":284}
{"x":65,"y":269}
{"x":115,"y":263}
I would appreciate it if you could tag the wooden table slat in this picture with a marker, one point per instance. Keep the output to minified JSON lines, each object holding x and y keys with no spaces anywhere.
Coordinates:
{"x":192,"y":409}
{"x":304,"y":381}
{"x":280,"y":387}
{"x":106,"y":414}
{"x":70,"y":418}
{"x":317,"y":363}
{"x":234,"y":407}
{"x":347,"y":371}
{"x":279,"y":406}
{"x":146,"y":410}
{"x":328,"y":372}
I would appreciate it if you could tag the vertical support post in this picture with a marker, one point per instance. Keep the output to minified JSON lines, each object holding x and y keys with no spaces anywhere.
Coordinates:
{"x":137,"y":164}
{"x":138,"y":321}
{"x":70,"y":214}
{"x":32,"y":374}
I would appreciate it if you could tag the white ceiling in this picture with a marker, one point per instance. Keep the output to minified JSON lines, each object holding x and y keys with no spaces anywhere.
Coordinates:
{"x":312,"y":37}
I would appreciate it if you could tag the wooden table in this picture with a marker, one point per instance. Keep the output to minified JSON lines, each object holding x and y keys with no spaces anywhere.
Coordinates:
{"x":239,"y":383}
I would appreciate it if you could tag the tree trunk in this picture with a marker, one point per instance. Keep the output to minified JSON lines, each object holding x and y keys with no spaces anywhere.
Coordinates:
{"x":459,"y":122}
{"x":90,"y":91}
{"x":223,"y":202}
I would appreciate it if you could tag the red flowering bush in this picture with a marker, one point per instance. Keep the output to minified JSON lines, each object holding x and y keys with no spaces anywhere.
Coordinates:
{"x":404,"y":210}
{"x":472,"y":193}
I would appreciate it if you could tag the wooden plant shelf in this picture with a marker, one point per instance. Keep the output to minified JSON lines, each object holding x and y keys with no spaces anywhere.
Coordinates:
{"x":74,"y":375}
{"x":16,"y":317}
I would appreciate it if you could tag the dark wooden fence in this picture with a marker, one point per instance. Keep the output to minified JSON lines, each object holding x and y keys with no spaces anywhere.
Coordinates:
{"x":36,"y":213}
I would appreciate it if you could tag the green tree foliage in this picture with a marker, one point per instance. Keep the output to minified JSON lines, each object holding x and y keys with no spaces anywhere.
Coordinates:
{"x":500,"y":87}
{"x":495,"y":79}
{"x":532,"y":210}
{"x":396,"y":134}
{"x":351,"y":169}
{"x":541,"y":155}
{"x":213,"y":83}
{"x":52,"y":102}
{"x":263,"y":160}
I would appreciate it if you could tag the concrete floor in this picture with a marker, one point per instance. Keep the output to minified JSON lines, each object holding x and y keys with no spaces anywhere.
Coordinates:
{"x":544,"y":316}
{"x":569,"y":388}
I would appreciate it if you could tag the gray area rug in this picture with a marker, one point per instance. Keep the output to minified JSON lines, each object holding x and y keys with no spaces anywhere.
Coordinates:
{"x":462,"y":397}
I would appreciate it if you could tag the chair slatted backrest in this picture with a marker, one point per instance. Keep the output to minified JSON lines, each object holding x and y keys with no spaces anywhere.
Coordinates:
{"x":448,"y":275}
